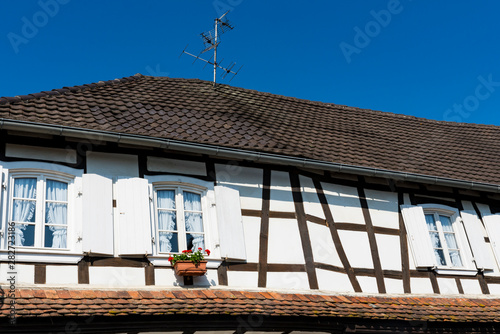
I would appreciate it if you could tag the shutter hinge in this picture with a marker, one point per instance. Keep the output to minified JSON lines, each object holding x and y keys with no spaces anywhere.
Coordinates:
{"x":153,"y":240}
{"x":114,"y":203}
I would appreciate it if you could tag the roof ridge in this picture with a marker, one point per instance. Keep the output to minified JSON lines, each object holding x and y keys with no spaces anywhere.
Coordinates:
{"x":58,"y":91}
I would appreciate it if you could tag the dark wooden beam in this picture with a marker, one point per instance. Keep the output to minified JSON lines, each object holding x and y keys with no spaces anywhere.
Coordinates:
{"x":264,"y":229}
{"x":304,"y":232}
{"x":403,"y":244}
{"x":335,"y":236}
{"x":371,"y":237}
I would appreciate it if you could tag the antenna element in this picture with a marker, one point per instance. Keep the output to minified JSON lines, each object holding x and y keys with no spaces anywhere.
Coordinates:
{"x":211,"y":40}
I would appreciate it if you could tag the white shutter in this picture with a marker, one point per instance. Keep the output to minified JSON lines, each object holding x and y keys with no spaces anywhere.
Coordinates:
{"x":492,"y":223}
{"x":418,"y":236}
{"x":97,"y":197}
{"x":3,"y":192}
{"x":474,"y":230}
{"x":231,"y":235}
{"x":132,"y":201}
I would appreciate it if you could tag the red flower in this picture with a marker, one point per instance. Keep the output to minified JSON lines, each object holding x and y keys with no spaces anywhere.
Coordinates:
{"x":184,"y":251}
{"x":170,"y":259}
{"x":189,"y":251}
{"x":199,"y":248}
{"x":207,"y":251}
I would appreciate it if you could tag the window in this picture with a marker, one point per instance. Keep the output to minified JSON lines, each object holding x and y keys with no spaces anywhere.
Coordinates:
{"x":443,"y":239}
{"x":179,"y":219}
{"x":39,"y":208}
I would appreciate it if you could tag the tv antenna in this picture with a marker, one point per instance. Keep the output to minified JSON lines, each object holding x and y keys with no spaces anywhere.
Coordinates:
{"x":211,"y":40}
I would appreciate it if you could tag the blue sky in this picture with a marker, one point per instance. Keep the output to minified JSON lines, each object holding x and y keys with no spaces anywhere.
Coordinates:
{"x":432,"y":59}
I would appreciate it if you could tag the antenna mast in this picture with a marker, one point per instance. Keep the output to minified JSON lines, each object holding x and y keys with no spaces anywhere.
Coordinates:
{"x":211,"y":41}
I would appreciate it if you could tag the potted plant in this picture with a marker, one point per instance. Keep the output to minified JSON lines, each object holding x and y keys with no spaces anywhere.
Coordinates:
{"x":189,"y":263}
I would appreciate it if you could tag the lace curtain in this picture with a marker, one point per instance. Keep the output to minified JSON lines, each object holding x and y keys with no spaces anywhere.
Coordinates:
{"x":167,"y":220}
{"x":23,"y":210}
{"x":194,"y":220}
{"x":56,"y":213}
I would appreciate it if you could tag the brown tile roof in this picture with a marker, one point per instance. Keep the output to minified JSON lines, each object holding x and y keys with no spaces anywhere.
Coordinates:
{"x":66,"y":303}
{"x":192,"y":111}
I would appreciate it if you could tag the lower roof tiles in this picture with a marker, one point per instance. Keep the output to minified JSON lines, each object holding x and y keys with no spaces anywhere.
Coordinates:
{"x":30,"y":303}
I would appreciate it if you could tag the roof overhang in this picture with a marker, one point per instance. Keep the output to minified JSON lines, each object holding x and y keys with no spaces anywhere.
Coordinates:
{"x":238,"y":154}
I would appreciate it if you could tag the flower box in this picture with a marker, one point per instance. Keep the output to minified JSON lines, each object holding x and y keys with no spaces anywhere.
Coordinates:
{"x":188,"y":268}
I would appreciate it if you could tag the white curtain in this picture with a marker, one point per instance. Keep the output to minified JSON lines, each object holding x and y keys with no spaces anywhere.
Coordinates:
{"x":23,"y":210}
{"x":194,"y":220}
{"x":56,"y":213}
{"x":166,"y":219}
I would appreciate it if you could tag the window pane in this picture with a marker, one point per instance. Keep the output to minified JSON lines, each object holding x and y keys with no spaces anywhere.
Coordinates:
{"x":195,"y":241}
{"x":192,"y":201}
{"x":435,"y":241}
{"x":165,"y":199}
{"x":194,"y":222}
{"x":431,"y":222}
{"x":56,"y":213}
{"x":446,"y":223}
{"x":440,"y":257}
{"x":56,"y":191}
{"x":168,"y":242}
{"x":451,"y":241}
{"x":25,"y":235}
{"x":55,"y":236}
{"x":23,"y":211}
{"x":455,"y":258}
{"x":167,"y":220}
{"x":25,"y":188}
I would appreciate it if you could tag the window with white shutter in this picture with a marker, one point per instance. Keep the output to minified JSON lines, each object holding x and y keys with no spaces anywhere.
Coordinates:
{"x":438,"y":239}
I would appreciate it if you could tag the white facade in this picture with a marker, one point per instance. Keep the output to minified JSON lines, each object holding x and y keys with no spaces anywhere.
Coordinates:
{"x":113,"y":231}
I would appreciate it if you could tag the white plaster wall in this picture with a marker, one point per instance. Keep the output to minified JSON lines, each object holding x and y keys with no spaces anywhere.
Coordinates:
{"x":494,"y":289}
{"x":42,"y":153}
{"x":344,"y":203}
{"x":165,"y":277}
{"x":248,"y":181}
{"x":312,"y":205}
{"x":393,"y":285}
{"x":281,"y":192}
{"x":288,"y":280}
{"x":176,"y":166}
{"x":447,"y":286}
{"x":383,"y":208}
{"x":421,"y":285}
{"x":323,"y":248}
{"x":244,"y":279}
{"x":333,"y":281}
{"x":112,"y":164}
{"x":251,"y":230}
{"x":113,"y":277}
{"x":368,"y":284}
{"x":25,"y":274}
{"x":61,"y":275}
{"x":389,"y":251}
{"x":357,"y":248}
{"x":284,"y":244}
{"x":471,"y":286}
{"x":209,"y":279}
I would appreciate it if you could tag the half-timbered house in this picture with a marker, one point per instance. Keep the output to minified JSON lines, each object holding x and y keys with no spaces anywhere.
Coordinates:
{"x":319,"y":217}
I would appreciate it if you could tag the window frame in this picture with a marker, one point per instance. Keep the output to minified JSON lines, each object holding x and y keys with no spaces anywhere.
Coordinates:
{"x":464,"y":247}
{"x":179,"y":188}
{"x":41,"y":177}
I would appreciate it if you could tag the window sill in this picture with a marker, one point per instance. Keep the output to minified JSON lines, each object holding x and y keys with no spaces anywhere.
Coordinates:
{"x":162,"y":261}
{"x":458,"y":271}
{"x":41,"y":256}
